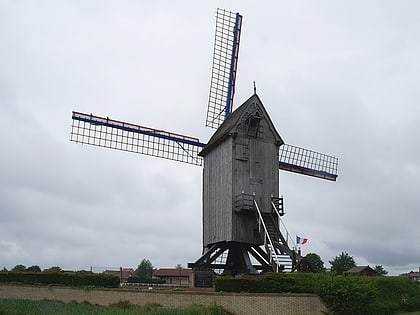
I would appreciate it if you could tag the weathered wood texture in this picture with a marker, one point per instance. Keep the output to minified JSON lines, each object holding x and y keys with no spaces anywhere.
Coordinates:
{"x":217,"y":194}
{"x":243,"y":160}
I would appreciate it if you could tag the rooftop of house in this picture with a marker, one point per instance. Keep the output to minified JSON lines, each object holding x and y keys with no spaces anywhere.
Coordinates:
{"x":172,"y":272}
{"x":360,"y":269}
{"x":123,"y":273}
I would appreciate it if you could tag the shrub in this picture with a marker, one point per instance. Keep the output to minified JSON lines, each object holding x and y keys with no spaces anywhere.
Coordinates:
{"x":61,"y":278}
{"x":242,"y":284}
{"x":349,"y":295}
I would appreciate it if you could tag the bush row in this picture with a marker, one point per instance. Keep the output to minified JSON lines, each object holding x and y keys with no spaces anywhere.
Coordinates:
{"x":342,"y":294}
{"x":61,"y":278}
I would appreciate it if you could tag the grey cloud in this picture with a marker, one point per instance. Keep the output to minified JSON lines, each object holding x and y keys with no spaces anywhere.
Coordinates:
{"x":334,"y":77}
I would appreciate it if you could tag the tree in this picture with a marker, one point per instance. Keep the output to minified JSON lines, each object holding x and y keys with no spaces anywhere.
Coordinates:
{"x":380,"y":271}
{"x":145,"y":269}
{"x":19,"y":268}
{"x":53,"y":269}
{"x":313,"y":263}
{"x":33,"y":268}
{"x":342,"y":263}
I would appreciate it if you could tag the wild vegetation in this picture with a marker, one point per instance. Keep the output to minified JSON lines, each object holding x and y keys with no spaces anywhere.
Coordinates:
{"x":18,"y":307}
{"x":342,"y":294}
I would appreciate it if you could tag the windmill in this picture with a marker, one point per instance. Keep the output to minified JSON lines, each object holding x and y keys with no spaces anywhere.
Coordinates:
{"x":243,"y":231}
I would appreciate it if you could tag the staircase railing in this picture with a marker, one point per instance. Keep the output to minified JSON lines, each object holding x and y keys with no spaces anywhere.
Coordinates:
{"x":296,"y":255}
{"x":267,"y":237}
{"x":282,"y":226}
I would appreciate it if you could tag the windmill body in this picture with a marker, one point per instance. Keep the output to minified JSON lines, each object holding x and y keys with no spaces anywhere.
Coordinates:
{"x":241,"y":159}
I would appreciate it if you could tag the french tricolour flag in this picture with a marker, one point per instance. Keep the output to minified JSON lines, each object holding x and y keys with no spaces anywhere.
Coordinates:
{"x":301,"y":240}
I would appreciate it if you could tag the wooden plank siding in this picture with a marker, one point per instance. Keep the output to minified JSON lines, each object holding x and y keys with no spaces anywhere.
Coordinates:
{"x":217,"y":194}
{"x":257,"y":175}
{"x":239,"y":160}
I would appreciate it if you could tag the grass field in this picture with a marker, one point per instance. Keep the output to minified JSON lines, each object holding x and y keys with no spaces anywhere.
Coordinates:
{"x":21,"y":307}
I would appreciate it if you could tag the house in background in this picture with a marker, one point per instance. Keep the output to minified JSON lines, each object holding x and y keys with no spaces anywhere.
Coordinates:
{"x":176,"y":276}
{"x":124,"y":273}
{"x":361,"y":271}
{"x":414,"y":275}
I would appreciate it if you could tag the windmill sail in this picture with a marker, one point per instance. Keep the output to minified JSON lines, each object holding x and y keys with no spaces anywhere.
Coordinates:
{"x":114,"y":134}
{"x":240,"y":166}
{"x":225,"y":59}
{"x":307,"y":162}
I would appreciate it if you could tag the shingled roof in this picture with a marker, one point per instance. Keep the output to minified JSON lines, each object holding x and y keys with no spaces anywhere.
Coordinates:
{"x":361,"y":270}
{"x":228,"y":126}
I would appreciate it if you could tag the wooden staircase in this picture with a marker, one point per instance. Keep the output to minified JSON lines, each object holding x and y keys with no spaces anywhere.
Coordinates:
{"x":281,"y":257}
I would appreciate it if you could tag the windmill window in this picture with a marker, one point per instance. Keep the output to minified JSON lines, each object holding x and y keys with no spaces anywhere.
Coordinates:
{"x":253,"y":125}
{"x":242,"y":152}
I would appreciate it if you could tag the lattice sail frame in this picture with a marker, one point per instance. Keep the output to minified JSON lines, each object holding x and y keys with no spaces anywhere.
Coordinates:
{"x":124,"y":136}
{"x":225,"y":60}
{"x":118,"y":135}
{"x":308,"y":162}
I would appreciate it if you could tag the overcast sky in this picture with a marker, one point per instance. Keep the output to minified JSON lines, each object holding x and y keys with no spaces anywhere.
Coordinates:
{"x":336,"y":77}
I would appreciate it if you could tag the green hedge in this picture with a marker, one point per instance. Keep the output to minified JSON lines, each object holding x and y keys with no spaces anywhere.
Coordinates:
{"x":61,"y":278}
{"x":342,"y":294}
